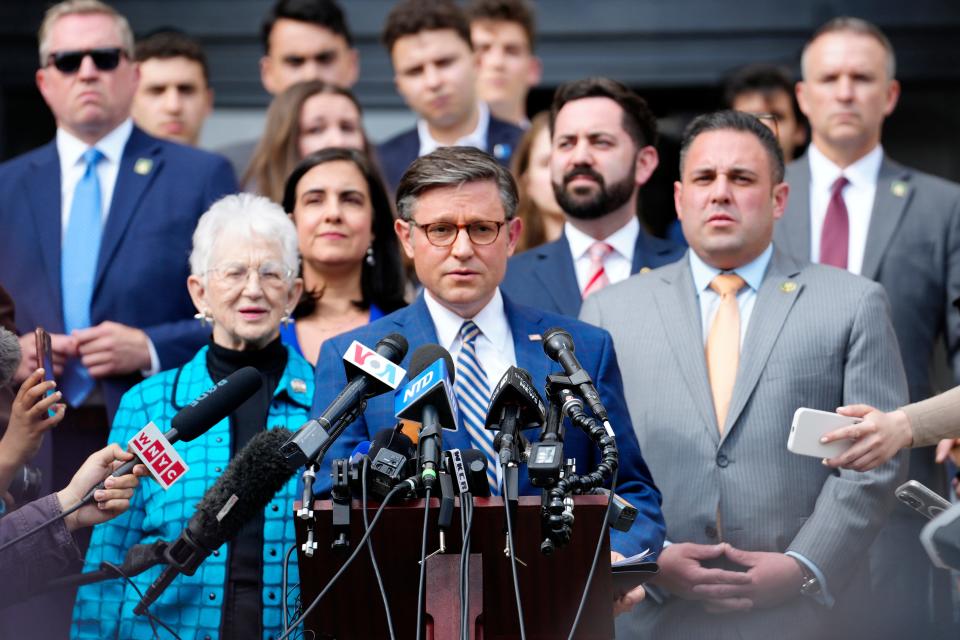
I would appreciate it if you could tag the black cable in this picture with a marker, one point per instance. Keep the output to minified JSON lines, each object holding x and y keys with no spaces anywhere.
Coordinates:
{"x":596,"y":555}
{"x":421,"y":589}
{"x":465,"y":506}
{"x":373,"y":558}
{"x":40,"y":526}
{"x":406,"y":484}
{"x":152,"y":619}
{"x":513,"y":559}
{"x":283,"y":585}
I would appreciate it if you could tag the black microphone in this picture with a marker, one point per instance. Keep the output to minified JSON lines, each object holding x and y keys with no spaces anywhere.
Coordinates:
{"x":250,"y":481}
{"x":206,"y":410}
{"x":429,"y":399}
{"x":469,"y":468}
{"x":514,"y":404}
{"x":391,"y":453}
{"x":370,"y":373}
{"x":558,"y":345}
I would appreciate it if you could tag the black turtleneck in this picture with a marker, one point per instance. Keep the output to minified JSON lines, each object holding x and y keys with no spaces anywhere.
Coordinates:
{"x":243,"y":600}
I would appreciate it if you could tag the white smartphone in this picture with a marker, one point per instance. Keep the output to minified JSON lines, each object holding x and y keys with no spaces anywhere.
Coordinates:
{"x":807,"y":428}
{"x":921,"y":498}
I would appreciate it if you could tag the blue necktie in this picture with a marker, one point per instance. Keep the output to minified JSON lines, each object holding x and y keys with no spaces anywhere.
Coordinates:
{"x":473,"y":396}
{"x":78,"y":268}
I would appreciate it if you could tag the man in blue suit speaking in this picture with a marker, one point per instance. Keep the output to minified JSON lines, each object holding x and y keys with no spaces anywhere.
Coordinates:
{"x":456,"y":208}
{"x":97,"y":227}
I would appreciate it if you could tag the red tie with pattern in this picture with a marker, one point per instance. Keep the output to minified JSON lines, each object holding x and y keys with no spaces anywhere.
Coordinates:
{"x":598,"y":252}
{"x":835,"y":237}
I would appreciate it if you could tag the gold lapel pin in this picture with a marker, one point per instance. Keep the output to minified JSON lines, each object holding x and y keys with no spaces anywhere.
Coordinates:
{"x":899,"y":188}
{"x":298,"y":385}
{"x":645,"y":270}
{"x":143,"y":166}
{"x":788,"y":287}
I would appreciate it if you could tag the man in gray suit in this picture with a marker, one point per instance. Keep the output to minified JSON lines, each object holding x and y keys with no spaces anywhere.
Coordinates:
{"x":855,"y":208}
{"x":763,"y":541}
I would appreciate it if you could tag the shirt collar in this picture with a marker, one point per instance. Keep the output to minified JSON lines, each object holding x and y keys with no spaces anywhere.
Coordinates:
{"x":477,"y":138}
{"x":623,"y":240}
{"x":752,"y":272}
{"x":491,"y":320}
{"x":71,"y":148}
{"x":862,"y":173}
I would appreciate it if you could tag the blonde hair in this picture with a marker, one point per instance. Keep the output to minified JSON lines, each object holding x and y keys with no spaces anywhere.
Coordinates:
{"x":82,"y":7}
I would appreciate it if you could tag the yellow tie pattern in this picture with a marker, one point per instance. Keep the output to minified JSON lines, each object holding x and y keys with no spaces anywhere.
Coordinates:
{"x":723,"y":344}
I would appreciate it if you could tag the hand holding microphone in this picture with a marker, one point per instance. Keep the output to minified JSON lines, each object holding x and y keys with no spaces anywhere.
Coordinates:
{"x":113,"y":499}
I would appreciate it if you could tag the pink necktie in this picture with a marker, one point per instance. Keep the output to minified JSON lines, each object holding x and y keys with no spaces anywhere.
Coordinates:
{"x":723,"y":344}
{"x":598,"y":252}
{"x":835,"y":237}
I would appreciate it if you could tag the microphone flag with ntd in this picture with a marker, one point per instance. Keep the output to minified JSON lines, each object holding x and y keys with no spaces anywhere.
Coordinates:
{"x":431,"y":383}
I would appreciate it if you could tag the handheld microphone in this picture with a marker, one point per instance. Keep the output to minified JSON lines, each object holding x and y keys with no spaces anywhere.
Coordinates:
{"x":370,"y":373}
{"x":247,"y":485}
{"x":515,"y":404}
{"x":558,"y":345}
{"x":429,"y":398}
{"x":206,"y":410}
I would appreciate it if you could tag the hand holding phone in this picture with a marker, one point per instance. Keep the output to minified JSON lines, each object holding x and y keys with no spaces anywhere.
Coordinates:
{"x":809,"y":425}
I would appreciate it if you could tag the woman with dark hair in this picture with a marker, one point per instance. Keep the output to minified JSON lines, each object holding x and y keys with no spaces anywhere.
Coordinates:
{"x":542,"y":217}
{"x":307,"y":117}
{"x":352,"y":271}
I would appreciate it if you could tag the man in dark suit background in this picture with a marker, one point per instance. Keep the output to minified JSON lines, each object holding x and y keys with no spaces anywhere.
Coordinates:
{"x":604,"y":138}
{"x":435,"y":70}
{"x":457,"y":222}
{"x":853,"y":207}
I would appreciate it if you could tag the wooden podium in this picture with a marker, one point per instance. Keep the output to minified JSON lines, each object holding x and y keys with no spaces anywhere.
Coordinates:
{"x":550,"y":586}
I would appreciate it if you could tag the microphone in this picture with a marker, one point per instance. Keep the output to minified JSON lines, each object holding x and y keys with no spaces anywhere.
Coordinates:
{"x":206,"y":410}
{"x":369,"y":373}
{"x":9,"y":356}
{"x":558,"y":345}
{"x":429,"y":399}
{"x":247,"y":485}
{"x":469,"y":468}
{"x":391,"y":452}
{"x":514,"y":404}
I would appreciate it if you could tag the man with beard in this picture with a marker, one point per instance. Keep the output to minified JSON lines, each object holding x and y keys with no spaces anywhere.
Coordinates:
{"x":603,"y":151}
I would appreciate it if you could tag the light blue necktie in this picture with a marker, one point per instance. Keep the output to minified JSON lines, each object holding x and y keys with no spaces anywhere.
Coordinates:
{"x":473,"y":396}
{"x":78,"y":268}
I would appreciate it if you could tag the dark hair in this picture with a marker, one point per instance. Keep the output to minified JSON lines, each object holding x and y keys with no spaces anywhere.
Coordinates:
{"x":452,"y":167}
{"x":638,"y":120}
{"x":765,"y":79}
{"x":533,"y":234}
{"x":382,"y":284}
{"x":516,"y":11}
{"x":410,"y":17}
{"x":853,"y":25}
{"x":171,"y":43}
{"x":730,"y":120}
{"x":278,"y":150}
{"x":323,"y":13}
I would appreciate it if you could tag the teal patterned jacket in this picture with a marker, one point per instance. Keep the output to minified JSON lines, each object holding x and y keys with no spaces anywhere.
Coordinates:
{"x":191,"y":605}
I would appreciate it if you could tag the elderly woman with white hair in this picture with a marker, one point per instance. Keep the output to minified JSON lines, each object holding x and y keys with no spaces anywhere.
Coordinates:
{"x":243,"y":283}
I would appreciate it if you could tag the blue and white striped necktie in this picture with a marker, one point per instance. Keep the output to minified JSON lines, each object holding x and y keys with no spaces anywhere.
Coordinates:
{"x":473,"y":396}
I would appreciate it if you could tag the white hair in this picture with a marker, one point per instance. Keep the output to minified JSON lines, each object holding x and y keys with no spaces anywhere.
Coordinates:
{"x":251,"y":216}
{"x":9,"y":356}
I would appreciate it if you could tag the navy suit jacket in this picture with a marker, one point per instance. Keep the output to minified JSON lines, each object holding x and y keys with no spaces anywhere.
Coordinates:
{"x":596,"y":354}
{"x":544,"y":276}
{"x":396,"y":154}
{"x":162,"y":189}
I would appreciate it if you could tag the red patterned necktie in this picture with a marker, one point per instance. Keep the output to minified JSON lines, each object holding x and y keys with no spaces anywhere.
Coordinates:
{"x":835,"y":236}
{"x":598,"y":252}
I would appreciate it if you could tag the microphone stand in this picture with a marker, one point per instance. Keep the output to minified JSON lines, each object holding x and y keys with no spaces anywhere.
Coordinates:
{"x":139,"y":558}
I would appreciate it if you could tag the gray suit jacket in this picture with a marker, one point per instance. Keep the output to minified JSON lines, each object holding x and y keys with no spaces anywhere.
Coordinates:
{"x":818,"y":337}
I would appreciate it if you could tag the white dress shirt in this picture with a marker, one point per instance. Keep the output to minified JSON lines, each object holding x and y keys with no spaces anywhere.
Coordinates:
{"x":494,"y":344}
{"x":858,"y":196}
{"x":618,"y":262}
{"x":476,"y":138}
{"x":70,"y":150}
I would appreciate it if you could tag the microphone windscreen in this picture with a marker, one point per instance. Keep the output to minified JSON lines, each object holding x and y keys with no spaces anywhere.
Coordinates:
{"x":426,"y":355}
{"x":397,"y":343}
{"x":255,"y":474}
{"x":555,"y":339}
{"x":216,"y":404}
{"x":9,"y":356}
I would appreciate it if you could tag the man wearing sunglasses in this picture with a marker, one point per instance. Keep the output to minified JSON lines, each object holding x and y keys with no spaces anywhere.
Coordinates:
{"x":457,"y":223}
{"x":97,"y":227}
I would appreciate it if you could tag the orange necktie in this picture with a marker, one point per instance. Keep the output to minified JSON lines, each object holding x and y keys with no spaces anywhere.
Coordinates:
{"x":723,"y":344}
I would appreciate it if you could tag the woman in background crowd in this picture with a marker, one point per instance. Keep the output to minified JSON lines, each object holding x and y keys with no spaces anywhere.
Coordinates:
{"x":244,"y":282}
{"x":307,"y":117}
{"x":352,"y":271}
{"x":542,"y":217}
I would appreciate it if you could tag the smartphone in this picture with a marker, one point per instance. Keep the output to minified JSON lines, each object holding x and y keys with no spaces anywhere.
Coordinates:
{"x":922,"y":499}
{"x":807,"y":428}
{"x":45,"y":359}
